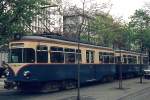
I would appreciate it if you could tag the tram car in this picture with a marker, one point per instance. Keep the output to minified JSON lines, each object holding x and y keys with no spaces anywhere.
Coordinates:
{"x":130,"y":63}
{"x":47,"y":63}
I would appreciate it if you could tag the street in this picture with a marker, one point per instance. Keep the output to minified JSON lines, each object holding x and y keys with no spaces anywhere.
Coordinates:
{"x":132,"y":90}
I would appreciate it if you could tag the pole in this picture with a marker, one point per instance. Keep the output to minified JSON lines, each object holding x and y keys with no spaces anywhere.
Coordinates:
{"x":78,"y":94}
{"x":141,"y":81}
{"x":120,"y":71}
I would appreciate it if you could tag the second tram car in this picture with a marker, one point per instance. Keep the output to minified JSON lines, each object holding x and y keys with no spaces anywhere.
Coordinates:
{"x":50,"y":63}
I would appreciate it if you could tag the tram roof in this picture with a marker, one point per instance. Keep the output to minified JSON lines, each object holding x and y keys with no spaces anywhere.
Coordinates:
{"x":62,"y":40}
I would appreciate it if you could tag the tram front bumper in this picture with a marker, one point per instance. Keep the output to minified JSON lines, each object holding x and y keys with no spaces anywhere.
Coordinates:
{"x":9,"y":84}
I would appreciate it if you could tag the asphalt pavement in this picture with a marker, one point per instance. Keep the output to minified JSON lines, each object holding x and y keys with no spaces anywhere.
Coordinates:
{"x":132,"y":90}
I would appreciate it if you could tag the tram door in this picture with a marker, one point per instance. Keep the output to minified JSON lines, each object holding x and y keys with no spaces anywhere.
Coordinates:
{"x":90,"y":63}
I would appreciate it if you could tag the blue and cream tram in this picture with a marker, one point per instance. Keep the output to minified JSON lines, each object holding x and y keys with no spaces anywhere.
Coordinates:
{"x":50,"y":63}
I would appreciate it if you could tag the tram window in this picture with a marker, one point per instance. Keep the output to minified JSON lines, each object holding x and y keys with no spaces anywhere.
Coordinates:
{"x":28,"y":55}
{"x":100,"y":56}
{"x":145,"y":60}
{"x":125,"y":59}
{"x":139,"y":59}
{"x":111,"y":60}
{"x":117,"y":59}
{"x":16,"y":55}
{"x":134,"y":60}
{"x":89,"y":56}
{"x":42,"y":54}
{"x":106,"y":59}
{"x":78,"y":53}
{"x":22,"y":55}
{"x":130,"y":59}
{"x":56,"y":55}
{"x":69,"y":55}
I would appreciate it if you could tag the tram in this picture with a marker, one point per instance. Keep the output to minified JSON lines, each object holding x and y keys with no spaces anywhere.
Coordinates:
{"x":48,"y":63}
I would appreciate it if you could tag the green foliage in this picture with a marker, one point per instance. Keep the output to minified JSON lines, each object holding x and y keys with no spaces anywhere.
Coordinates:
{"x":140,"y":24}
{"x":15,"y":15}
{"x":109,"y":32}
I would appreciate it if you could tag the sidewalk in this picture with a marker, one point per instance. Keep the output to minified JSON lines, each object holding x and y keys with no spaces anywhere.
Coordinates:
{"x":110,"y":91}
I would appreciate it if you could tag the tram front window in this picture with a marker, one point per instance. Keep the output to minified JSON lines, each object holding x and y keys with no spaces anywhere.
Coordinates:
{"x":22,"y":55}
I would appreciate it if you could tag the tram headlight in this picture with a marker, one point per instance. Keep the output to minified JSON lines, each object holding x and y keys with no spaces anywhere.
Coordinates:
{"x":7,"y":73}
{"x":27,"y":74}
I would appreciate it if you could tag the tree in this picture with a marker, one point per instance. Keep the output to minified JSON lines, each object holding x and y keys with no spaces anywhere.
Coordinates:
{"x":140,"y":24}
{"x":16,"y":15}
{"x":75,"y":16}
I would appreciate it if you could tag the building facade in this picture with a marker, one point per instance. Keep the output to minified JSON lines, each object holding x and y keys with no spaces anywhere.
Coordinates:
{"x":50,"y":19}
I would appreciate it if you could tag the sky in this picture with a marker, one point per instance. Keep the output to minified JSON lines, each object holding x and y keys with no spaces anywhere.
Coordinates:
{"x":126,"y":8}
{"x":120,"y":8}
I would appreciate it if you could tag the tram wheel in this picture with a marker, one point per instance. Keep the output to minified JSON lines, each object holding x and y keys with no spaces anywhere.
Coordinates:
{"x":50,"y":87}
{"x":69,"y":84}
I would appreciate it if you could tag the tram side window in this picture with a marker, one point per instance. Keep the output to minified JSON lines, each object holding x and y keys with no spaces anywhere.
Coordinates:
{"x":106,"y":57}
{"x":134,"y":59}
{"x":56,"y":55}
{"x":111,"y":57}
{"x":42,"y":54}
{"x":89,"y":56}
{"x":100,"y":57}
{"x":69,"y":55}
{"x":131,"y":59}
{"x":29,"y":55}
{"x":78,"y":54}
{"x":118,"y":59}
{"x":125,"y":59}
{"x":145,"y":60}
{"x":139,"y":59}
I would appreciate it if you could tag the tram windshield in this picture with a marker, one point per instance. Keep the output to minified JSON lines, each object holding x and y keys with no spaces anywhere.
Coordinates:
{"x":22,"y":55}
